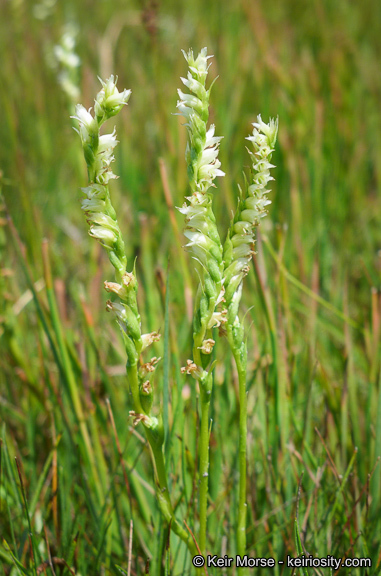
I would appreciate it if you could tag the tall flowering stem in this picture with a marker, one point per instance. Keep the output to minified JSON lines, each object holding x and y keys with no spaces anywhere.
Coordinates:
{"x":67,"y":62}
{"x":238,"y":250}
{"x":205,"y":246}
{"x":101,"y":216}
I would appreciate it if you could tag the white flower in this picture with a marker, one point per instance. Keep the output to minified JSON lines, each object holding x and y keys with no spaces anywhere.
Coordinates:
{"x":202,"y":147}
{"x":239,"y":245}
{"x":105,"y":222}
{"x":198,"y":67}
{"x":269,"y":130}
{"x":93,"y":205}
{"x":194,"y":86}
{"x":105,"y":236}
{"x":109,"y":100}
{"x":107,"y":143}
{"x":120,"y":312}
{"x":84,"y":117}
{"x":95,"y":191}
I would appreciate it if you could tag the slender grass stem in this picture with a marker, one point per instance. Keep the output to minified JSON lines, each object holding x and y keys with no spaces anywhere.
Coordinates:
{"x":70,"y":378}
{"x":163,"y":493}
{"x":310,"y":293}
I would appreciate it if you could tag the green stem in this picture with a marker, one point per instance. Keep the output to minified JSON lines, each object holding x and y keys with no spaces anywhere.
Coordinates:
{"x":156,"y":440}
{"x":205,"y":395}
{"x":242,"y":506}
{"x":204,"y":465}
{"x":240,"y":357}
{"x":132,"y":373}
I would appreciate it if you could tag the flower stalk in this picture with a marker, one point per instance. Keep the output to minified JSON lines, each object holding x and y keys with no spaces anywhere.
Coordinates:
{"x":101,"y":216}
{"x":205,"y":246}
{"x":238,"y":250}
{"x":221,"y":271}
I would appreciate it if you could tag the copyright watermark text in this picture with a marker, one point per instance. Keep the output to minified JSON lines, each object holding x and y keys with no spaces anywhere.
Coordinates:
{"x":215,"y":561}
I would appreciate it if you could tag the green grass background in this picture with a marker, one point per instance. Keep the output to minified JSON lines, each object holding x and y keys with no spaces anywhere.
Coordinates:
{"x":311,"y":301}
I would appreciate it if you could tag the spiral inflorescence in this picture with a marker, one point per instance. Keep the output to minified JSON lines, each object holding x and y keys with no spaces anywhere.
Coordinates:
{"x":252,"y":203}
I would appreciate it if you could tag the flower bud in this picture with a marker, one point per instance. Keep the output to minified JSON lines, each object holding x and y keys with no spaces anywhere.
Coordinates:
{"x":106,"y":237}
{"x":109,"y":100}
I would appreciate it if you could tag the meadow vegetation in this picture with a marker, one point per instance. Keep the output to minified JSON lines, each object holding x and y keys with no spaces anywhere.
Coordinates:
{"x":77,"y":490}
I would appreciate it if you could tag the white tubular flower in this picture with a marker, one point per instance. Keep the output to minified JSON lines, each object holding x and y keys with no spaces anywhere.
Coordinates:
{"x":107,"y":143}
{"x":109,"y":100}
{"x":239,"y":245}
{"x":99,"y":149}
{"x":118,"y":309}
{"x":104,"y":221}
{"x":95,"y":191}
{"x":127,"y":319}
{"x":88,"y":127}
{"x":106,"y":237}
{"x":93,"y":205}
